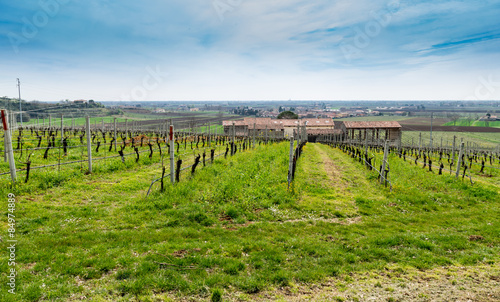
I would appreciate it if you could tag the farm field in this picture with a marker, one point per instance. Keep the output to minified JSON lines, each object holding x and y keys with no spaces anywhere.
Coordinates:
{"x":234,"y":230}
{"x":425,"y":121}
{"x":466,"y":122}
{"x":130,"y":116}
{"x":79,"y":122}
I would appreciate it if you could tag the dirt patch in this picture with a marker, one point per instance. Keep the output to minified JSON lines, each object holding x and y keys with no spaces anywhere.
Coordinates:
{"x":342,"y":221}
{"x":426,"y":121}
{"x":472,"y":284}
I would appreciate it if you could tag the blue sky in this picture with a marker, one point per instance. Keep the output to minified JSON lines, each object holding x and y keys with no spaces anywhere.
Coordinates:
{"x":250,"y":50}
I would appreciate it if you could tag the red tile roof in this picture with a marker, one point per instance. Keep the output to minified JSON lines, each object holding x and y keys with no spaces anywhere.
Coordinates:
{"x":370,"y":125}
{"x":261,"y":123}
{"x":323,"y":131}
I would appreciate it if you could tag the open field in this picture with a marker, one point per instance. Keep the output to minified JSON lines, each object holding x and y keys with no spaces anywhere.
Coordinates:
{"x":473,"y":123}
{"x":234,"y":230}
{"x":79,"y":122}
{"x":425,"y":121}
{"x":130,"y":116}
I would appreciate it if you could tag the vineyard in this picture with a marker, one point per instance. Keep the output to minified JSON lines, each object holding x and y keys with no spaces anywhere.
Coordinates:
{"x":354,"y":221}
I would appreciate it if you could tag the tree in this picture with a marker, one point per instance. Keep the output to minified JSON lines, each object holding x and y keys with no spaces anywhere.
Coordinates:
{"x":453,"y":117}
{"x":288,"y":115}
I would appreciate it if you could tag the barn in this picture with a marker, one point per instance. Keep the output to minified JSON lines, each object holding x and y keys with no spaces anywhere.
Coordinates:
{"x":374,"y":132}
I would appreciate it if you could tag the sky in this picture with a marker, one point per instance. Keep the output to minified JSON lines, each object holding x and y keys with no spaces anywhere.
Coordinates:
{"x":110,"y":50}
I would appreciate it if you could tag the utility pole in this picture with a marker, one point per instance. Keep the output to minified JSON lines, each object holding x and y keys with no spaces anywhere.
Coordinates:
{"x":20,"y":111}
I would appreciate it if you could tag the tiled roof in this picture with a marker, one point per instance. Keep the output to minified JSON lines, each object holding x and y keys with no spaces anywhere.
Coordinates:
{"x":280,"y":123}
{"x":323,"y":131}
{"x":369,"y":125}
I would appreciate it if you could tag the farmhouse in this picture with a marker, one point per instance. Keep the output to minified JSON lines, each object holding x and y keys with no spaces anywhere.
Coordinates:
{"x":373,"y":131}
{"x":277,"y":127}
{"x":340,"y":130}
{"x":490,"y":118}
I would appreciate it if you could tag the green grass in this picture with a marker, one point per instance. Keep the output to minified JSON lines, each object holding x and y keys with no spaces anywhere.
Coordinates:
{"x":473,"y":123}
{"x":78,"y":122}
{"x":235,"y":226}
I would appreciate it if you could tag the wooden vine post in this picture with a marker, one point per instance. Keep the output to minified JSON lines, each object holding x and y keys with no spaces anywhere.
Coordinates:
{"x":459,"y":162}
{"x":290,"y":165}
{"x":172,"y":155}
{"x":114,"y":125}
{"x":253,"y":138}
{"x":62,"y":129}
{"x":89,"y":142}
{"x":386,"y":149}
{"x":8,"y":145}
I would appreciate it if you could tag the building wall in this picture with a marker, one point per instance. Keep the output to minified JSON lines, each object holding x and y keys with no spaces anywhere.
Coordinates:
{"x":394,"y":134}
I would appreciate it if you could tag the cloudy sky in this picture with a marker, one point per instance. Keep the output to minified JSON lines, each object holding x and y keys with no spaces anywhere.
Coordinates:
{"x":250,"y":49}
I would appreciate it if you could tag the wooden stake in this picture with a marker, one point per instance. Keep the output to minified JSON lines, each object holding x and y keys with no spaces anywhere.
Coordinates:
{"x":386,"y":149}
{"x":290,"y":165}
{"x":89,"y":143}
{"x":8,"y":146}
{"x":459,"y":162}
{"x":172,"y":155}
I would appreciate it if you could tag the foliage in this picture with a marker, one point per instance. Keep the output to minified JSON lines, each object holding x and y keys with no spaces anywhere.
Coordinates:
{"x":288,"y":115}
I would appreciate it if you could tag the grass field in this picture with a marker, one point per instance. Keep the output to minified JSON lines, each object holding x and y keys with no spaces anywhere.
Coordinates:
{"x":234,"y":230}
{"x":466,"y":122}
{"x":68,"y":121}
{"x":79,"y":122}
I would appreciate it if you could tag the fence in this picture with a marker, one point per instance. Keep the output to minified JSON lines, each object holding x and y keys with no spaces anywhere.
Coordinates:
{"x":190,"y":146}
{"x":462,"y":158}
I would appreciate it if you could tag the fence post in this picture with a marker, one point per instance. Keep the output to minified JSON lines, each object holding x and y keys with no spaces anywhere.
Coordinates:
{"x":114,"y":125}
{"x":8,"y":146}
{"x":266,"y":134}
{"x":253,"y":139}
{"x":5,"y":147}
{"x":172,"y":155}
{"x":209,"y":137}
{"x":419,"y":143}
{"x":233,"y":142}
{"x":62,"y":129}
{"x":290,"y":165}
{"x":459,"y":162}
{"x":386,"y":149}
{"x":89,"y":141}
{"x":366,"y":142}
{"x":453,"y":150}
